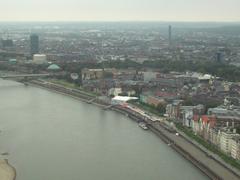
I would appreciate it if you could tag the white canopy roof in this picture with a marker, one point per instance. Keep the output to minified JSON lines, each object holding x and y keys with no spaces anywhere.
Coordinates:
{"x":124,"y":98}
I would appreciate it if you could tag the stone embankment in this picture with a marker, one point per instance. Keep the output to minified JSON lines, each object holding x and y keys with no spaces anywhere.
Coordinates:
{"x":205,"y":163}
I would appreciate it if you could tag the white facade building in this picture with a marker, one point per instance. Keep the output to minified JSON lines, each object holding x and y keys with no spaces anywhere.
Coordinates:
{"x":148,"y":76}
{"x":114,"y":91}
{"x":235,"y":152}
{"x":39,"y":59}
{"x":226,"y":141}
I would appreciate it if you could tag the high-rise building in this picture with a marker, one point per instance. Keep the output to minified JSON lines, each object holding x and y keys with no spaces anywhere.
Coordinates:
{"x":34,"y":44}
{"x":170,"y":35}
{"x":219,"y":57}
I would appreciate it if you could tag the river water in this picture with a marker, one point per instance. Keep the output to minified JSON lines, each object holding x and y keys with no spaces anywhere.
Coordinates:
{"x":54,"y":137}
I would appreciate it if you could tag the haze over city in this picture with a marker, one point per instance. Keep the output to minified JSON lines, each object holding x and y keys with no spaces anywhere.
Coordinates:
{"x":119,"y":89}
{"x":119,"y":10}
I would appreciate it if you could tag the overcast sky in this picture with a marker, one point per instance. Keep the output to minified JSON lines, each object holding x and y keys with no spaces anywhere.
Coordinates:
{"x":119,"y":10}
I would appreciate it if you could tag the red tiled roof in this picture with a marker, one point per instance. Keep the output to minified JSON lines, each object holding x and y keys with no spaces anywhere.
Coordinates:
{"x":205,"y":118}
{"x":196,"y":117}
{"x":209,"y":120}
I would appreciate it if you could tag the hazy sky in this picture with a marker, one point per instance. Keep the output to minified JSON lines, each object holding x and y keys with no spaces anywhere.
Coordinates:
{"x":119,"y":10}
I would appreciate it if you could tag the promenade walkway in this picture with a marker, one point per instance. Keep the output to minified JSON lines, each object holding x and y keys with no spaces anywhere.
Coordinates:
{"x":200,"y":156}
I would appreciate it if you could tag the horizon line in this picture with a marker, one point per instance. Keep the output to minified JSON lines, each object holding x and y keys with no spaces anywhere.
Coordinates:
{"x":116,"y":21}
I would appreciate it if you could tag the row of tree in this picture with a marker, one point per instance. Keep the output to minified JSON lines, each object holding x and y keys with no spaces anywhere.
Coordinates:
{"x":223,"y":70}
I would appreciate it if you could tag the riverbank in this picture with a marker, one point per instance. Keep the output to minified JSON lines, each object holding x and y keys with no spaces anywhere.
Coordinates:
{"x":74,"y":93}
{"x":213,"y":151}
{"x":7,"y":172}
{"x":198,"y":158}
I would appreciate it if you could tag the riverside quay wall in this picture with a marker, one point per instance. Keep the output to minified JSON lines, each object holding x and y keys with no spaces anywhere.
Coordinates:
{"x":209,"y":166}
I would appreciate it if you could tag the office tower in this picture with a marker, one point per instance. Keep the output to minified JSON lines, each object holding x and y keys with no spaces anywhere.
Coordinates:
{"x":34,"y":44}
{"x":170,"y":35}
{"x":219,"y":57}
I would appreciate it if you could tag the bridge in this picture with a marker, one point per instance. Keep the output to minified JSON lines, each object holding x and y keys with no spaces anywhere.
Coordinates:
{"x":5,"y":76}
{"x":23,"y":77}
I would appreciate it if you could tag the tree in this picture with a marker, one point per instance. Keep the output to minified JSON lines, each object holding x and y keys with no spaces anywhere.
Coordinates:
{"x":107,"y":74}
{"x":188,"y":102}
{"x":161,"y":108}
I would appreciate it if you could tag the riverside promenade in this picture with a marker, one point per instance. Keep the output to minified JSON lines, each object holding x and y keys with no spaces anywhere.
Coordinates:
{"x":209,"y":166}
{"x":205,"y":163}
{"x":7,"y":172}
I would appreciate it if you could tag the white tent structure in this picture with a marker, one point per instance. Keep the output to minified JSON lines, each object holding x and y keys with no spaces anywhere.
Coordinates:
{"x":122,"y":99}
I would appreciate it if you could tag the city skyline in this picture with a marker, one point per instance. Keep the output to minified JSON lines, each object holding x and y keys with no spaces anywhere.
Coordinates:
{"x":119,"y":89}
{"x":113,"y":10}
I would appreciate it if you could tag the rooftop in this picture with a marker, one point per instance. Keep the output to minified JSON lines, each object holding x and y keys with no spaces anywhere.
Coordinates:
{"x":53,"y":67}
{"x":124,"y":98}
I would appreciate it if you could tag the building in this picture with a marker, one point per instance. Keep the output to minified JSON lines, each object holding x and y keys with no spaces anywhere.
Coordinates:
{"x":196,"y":124}
{"x":226,"y":140}
{"x":152,"y":100}
{"x":39,"y":59}
{"x":34,"y":44}
{"x":114,"y":91}
{"x":187,"y":113}
{"x":167,"y":82}
{"x":127,"y":74}
{"x":235,"y":152}
{"x":148,"y":76}
{"x":214,"y":136}
{"x":170,"y":35}
{"x":207,"y":123}
{"x":219,"y":57}
{"x":53,"y":67}
{"x":173,"y":109}
{"x":12,"y":61}
{"x":93,"y":74}
{"x":205,"y":79}
{"x":226,"y":117}
{"x":168,"y":96}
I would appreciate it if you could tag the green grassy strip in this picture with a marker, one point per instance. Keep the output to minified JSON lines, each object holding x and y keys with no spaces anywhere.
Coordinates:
{"x":146,"y":107}
{"x":72,"y":85}
{"x":235,"y":163}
